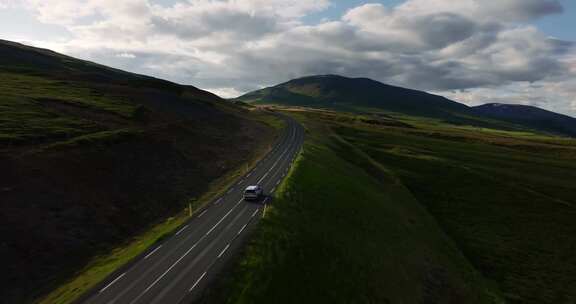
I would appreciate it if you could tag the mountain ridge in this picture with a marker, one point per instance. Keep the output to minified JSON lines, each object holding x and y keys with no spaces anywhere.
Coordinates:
{"x":345,"y":93}
{"x":530,"y":115}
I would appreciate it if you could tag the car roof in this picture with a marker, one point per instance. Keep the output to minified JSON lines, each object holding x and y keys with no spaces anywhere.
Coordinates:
{"x":254,"y":187}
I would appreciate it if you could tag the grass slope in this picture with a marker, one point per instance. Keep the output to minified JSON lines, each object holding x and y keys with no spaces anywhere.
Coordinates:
{"x":92,"y":157}
{"x":413,"y":211}
{"x":342,"y":230}
{"x":509,"y":206}
{"x":365,"y":95}
{"x":338,"y":92}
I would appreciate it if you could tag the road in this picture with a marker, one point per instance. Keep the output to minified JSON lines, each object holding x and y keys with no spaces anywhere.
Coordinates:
{"x":177,"y":270}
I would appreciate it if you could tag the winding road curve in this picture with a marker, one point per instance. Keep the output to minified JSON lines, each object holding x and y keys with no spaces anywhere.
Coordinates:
{"x":178,"y":269}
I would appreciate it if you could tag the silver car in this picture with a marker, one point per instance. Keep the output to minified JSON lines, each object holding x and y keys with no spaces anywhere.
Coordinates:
{"x":253,"y":193}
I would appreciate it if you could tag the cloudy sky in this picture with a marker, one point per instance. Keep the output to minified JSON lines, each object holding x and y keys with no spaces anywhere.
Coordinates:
{"x":474,"y":51}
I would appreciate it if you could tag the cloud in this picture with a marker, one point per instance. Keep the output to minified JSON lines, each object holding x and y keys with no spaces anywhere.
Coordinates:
{"x":467,"y":49}
{"x":126,"y":55}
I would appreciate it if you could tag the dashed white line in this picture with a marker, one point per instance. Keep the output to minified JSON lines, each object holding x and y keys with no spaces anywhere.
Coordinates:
{"x":197,"y":281}
{"x":118,"y":278}
{"x":255,"y":211}
{"x":223,"y":251}
{"x":242,"y":229}
{"x":177,"y":233}
{"x":263,"y":177}
{"x":165,"y":272}
{"x":273,"y":189}
{"x":231,"y":189}
{"x":217,"y":201}
{"x":201,"y":214}
{"x":226,"y":215}
{"x":151,"y":253}
{"x":273,"y":166}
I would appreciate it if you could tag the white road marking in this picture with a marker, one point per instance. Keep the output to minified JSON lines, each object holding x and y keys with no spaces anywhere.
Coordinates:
{"x":217,"y":201}
{"x":242,"y":229}
{"x":177,"y":233}
{"x":255,"y":211}
{"x":273,"y":166}
{"x":273,"y":189}
{"x":201,"y":214}
{"x":263,"y":177}
{"x":185,"y":254}
{"x":118,"y":278}
{"x":197,"y":281}
{"x":151,"y":253}
{"x":220,"y":221}
{"x":231,"y":189}
{"x":165,"y":272}
{"x":210,"y":231}
{"x":223,"y":251}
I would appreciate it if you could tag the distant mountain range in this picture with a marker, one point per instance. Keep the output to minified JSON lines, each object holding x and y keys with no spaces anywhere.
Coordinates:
{"x":363,"y":94}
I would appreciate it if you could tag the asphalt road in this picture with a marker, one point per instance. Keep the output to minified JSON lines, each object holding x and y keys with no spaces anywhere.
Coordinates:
{"x":177,"y":270}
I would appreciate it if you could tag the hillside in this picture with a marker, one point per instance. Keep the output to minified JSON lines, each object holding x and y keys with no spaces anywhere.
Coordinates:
{"x":332,"y":91}
{"x":91,"y":156}
{"x":414,"y":212}
{"x":530,"y":116}
{"x":366,"y":95}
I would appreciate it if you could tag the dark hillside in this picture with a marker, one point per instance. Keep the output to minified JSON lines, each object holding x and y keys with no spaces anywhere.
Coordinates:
{"x":529,"y":116}
{"x":336,"y":91}
{"x":367,"y":95}
{"x":90,"y":156}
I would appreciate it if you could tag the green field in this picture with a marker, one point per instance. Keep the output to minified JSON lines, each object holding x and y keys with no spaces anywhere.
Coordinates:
{"x":54,"y":110}
{"x":421,"y":213}
{"x":342,"y":230}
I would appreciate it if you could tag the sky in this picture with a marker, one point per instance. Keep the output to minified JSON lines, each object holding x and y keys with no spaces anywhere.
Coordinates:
{"x":472,"y":51}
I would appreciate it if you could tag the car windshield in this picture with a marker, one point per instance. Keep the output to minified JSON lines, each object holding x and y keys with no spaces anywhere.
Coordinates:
{"x":250,"y":191}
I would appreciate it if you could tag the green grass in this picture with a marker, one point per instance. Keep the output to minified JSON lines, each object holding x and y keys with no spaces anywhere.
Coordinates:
{"x":34,"y":87}
{"x":372,"y":213}
{"x":29,"y":98}
{"x":104,"y":138}
{"x":342,"y":230}
{"x":511,"y":211}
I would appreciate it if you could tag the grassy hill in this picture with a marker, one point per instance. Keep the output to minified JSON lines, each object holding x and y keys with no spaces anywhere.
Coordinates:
{"x":92,"y":156}
{"x":533,"y":117}
{"x":414,"y":212}
{"x":332,"y":91}
{"x":366,"y":95}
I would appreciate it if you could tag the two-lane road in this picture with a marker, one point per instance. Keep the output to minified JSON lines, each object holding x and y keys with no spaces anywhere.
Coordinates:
{"x":179,"y":268}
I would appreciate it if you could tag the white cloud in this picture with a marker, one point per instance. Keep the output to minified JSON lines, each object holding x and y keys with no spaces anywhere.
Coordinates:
{"x":471,"y":50}
{"x":126,"y":55}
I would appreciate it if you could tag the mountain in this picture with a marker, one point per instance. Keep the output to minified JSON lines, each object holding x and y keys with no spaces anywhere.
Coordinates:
{"x":529,"y":116}
{"x":90,"y":156}
{"x":363,"y":94}
{"x":332,"y":91}
{"x":22,"y":59}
